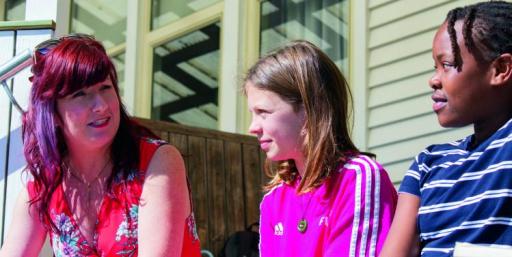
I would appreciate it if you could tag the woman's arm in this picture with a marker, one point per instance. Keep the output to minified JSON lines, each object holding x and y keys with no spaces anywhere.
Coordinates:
{"x":26,"y":233}
{"x":164,"y":205}
{"x":403,"y":236}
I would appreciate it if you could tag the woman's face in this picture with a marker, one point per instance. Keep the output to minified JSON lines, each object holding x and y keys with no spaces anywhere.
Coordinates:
{"x":89,"y":118}
{"x":276,"y":124}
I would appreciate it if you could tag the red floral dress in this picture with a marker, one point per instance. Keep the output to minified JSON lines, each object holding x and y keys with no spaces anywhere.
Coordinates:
{"x":116,"y":227}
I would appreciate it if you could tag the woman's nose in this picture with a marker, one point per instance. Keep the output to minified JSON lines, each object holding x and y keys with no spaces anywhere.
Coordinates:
{"x":99,"y":103}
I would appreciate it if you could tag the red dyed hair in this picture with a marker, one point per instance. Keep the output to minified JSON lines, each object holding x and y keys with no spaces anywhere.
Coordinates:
{"x":61,"y":68}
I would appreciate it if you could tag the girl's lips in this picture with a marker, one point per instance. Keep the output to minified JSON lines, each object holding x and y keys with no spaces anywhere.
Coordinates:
{"x":265,"y":145}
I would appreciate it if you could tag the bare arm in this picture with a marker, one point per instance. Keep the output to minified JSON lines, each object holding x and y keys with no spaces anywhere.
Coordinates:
{"x":164,"y":205}
{"x":403,"y":238}
{"x":26,"y":233}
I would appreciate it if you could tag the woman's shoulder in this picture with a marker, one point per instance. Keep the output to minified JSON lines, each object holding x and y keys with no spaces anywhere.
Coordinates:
{"x":165,"y":160}
{"x":148,"y":142}
{"x":149,"y":149}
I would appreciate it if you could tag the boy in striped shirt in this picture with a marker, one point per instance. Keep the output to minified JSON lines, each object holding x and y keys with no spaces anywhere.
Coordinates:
{"x":462,"y":191}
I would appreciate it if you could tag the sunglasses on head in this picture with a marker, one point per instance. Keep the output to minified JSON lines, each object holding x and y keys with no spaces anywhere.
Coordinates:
{"x":47,"y":45}
{"x":40,"y":49}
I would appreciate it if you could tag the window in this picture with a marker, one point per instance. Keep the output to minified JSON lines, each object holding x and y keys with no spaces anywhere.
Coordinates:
{"x":106,"y":21}
{"x":165,"y":11}
{"x":322,"y":22}
{"x":185,"y":79}
{"x":14,"y":10}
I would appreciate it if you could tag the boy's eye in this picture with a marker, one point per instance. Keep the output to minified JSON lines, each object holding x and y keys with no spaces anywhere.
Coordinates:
{"x":447,"y":65}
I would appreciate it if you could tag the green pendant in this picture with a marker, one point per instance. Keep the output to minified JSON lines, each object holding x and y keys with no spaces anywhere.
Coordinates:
{"x":302,"y":226}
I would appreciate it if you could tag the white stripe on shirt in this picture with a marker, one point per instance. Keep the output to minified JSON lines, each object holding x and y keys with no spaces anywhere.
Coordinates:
{"x":467,"y":201}
{"x":468,"y":225}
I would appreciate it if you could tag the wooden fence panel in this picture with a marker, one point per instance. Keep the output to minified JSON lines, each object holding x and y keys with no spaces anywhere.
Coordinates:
{"x":216,"y":193}
{"x":198,"y":179}
{"x":252,"y":182}
{"x":234,"y":188}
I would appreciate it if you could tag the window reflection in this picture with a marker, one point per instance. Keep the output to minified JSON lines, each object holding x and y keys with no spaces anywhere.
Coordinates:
{"x":322,"y":22}
{"x":185,"y":79}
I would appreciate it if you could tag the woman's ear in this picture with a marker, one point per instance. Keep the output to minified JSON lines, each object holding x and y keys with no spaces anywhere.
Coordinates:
{"x":57,"y":121}
{"x":502,"y":70}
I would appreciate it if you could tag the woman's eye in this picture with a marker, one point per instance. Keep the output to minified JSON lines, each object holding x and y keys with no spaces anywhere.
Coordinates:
{"x":78,"y":94}
{"x":106,"y":87}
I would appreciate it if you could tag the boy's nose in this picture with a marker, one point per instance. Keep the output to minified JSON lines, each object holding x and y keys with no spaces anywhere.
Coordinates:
{"x":434,"y":82}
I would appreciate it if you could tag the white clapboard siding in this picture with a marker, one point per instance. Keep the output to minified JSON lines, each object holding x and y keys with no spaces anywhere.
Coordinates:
{"x":400,"y":118}
{"x":409,"y":26}
{"x":396,"y":10}
{"x":415,"y":65}
{"x":399,"y":90}
{"x":397,"y":111}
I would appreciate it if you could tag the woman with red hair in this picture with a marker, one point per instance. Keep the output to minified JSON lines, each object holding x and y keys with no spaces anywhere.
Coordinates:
{"x":100,"y":184}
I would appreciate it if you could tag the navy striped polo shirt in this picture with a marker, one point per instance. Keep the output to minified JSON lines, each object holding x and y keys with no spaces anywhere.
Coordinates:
{"x":466,"y":195}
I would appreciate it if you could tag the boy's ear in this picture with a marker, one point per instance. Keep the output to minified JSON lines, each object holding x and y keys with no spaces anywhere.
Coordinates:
{"x":502,"y":70}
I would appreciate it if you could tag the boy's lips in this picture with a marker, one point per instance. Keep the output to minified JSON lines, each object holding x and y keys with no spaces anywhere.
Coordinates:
{"x":440,"y":101}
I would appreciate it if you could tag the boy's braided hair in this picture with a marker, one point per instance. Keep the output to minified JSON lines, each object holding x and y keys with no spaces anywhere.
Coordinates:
{"x":487,"y":30}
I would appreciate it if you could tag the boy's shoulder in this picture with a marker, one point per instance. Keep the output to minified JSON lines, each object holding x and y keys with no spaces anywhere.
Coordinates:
{"x":443,"y":149}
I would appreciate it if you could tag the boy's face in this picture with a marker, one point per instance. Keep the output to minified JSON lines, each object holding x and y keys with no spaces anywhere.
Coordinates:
{"x":460,"y":97}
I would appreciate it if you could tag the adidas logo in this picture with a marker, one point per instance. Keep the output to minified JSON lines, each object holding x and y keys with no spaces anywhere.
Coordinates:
{"x":324,"y":220}
{"x":278,"y":229}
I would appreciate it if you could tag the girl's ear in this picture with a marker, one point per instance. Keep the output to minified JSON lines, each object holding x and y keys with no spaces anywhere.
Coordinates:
{"x":502,"y":70}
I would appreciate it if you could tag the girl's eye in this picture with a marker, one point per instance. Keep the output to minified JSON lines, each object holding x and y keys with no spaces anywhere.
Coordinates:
{"x":78,"y":94}
{"x":261,"y":112}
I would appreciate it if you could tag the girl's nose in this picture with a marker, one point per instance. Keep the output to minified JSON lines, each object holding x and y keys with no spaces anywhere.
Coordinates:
{"x":254,"y":128}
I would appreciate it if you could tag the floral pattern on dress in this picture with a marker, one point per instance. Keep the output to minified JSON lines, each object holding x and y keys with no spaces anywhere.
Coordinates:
{"x":67,"y":243}
{"x":128,"y":230}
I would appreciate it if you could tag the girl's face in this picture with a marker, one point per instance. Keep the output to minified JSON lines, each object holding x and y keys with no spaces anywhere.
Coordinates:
{"x":276,"y":124}
{"x":89,"y":118}
{"x":460,"y":97}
